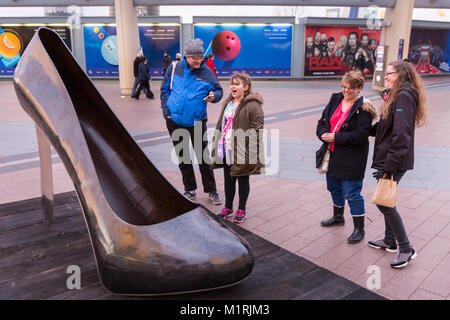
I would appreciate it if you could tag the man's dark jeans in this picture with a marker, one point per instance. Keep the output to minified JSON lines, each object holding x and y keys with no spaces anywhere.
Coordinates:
{"x":186,"y":168}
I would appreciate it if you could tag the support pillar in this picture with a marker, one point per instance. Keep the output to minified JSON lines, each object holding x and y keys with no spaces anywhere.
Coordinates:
{"x":127,"y":42}
{"x":395,"y":35}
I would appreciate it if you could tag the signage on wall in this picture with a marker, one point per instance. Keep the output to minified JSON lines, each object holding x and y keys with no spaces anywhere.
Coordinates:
{"x":401,"y":43}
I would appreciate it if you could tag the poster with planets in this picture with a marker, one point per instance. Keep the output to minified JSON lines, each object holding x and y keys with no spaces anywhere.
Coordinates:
{"x":101,"y":51}
{"x":256,"y":49}
{"x":100,"y":47}
{"x":14,"y":40}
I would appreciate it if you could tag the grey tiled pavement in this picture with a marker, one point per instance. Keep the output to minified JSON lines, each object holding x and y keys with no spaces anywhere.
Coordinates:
{"x":296,"y":157}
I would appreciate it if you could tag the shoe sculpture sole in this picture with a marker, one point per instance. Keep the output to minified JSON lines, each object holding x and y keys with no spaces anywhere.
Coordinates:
{"x":147,"y":238}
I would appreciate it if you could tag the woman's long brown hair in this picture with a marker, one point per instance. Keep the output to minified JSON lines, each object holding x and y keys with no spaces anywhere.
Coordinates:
{"x":407,"y":74}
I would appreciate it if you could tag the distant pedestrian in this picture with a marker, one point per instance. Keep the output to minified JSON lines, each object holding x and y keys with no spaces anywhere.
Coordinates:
{"x":242,"y":117}
{"x":393,"y":155}
{"x":136,"y":63}
{"x":344,"y":129}
{"x":210,"y":64}
{"x":178,"y":56}
{"x":144,"y":78}
{"x":166,"y":62}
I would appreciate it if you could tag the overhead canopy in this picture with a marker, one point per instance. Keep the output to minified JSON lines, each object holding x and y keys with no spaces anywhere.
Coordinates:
{"x":344,"y":3}
{"x":52,"y":3}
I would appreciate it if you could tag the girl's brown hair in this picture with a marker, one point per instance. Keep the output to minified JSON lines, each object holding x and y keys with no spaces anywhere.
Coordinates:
{"x":407,"y":75}
{"x":245,"y":80}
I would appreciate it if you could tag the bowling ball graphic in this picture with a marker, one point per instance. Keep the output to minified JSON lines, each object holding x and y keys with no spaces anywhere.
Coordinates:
{"x":226,"y":45}
{"x":10,"y":44}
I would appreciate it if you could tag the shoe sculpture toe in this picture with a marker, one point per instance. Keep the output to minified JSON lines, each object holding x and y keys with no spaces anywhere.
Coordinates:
{"x":191,"y":252}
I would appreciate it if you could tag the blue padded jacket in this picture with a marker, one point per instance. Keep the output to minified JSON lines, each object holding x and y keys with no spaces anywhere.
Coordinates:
{"x":184,"y":103}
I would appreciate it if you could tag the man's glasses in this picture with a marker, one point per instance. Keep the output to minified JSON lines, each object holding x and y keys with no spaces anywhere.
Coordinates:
{"x":196,"y":58}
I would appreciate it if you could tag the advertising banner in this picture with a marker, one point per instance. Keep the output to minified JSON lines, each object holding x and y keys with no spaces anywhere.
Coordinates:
{"x":102,"y":57}
{"x":256,"y":49}
{"x":429,"y":50}
{"x":333,"y":51}
{"x":15,"y":38}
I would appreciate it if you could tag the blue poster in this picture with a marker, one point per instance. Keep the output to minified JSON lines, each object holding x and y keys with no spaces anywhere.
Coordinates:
{"x":155,"y":39}
{"x":100,"y":47}
{"x":101,"y":51}
{"x":259,"y":50}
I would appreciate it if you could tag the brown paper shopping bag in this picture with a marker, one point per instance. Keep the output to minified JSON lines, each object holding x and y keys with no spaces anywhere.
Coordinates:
{"x":386,"y":192}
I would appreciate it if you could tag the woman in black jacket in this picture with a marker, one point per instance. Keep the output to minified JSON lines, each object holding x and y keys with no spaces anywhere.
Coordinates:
{"x":393,"y":154}
{"x":345,"y":127}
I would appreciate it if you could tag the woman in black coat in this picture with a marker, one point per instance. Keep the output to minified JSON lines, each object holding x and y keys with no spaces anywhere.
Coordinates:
{"x":345,"y":126}
{"x":393,"y":154}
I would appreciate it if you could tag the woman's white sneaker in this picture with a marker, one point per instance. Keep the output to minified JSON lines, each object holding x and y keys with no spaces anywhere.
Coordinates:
{"x":403,"y":258}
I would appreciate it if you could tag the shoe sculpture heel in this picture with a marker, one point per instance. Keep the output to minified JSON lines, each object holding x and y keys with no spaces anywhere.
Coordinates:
{"x":147,"y":238}
{"x":45,"y":163}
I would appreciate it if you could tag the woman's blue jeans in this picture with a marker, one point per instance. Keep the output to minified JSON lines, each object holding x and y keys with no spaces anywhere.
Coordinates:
{"x":347,"y":189}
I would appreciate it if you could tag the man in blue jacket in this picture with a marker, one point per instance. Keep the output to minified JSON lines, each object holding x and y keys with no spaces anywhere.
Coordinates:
{"x":187,"y":87}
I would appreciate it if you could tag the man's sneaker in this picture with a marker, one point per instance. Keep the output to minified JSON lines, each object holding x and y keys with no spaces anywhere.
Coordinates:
{"x":214,"y":198}
{"x":380,"y":244}
{"x":402,"y":259}
{"x":225,"y":213}
{"x":240,"y":216}
{"x":190,"y":195}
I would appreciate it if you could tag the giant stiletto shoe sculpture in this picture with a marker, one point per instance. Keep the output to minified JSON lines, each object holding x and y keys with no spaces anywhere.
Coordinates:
{"x":147,"y":238}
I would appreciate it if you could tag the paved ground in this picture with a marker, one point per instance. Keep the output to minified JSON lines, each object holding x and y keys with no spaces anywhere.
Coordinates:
{"x":286,"y":206}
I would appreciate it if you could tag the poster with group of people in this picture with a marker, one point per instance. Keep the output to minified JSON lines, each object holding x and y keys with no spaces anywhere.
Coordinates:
{"x":333,"y":51}
{"x":101,"y":51}
{"x":429,"y":50}
{"x":15,"y":38}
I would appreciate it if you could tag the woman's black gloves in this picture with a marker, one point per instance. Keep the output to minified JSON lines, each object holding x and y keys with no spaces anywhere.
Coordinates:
{"x":378,"y":174}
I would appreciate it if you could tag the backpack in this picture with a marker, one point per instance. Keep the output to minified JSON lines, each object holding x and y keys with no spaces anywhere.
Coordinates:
{"x":174,"y":64}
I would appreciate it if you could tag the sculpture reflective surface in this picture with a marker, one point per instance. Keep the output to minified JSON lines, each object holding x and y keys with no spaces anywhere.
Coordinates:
{"x":147,"y":238}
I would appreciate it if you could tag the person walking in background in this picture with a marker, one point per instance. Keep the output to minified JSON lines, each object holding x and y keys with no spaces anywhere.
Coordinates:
{"x":136,"y":63}
{"x":186,"y":89}
{"x":144,"y":78}
{"x":166,"y":62}
{"x":344,"y":128}
{"x":241,"y":114}
{"x":393,"y":153}
{"x":178,"y":56}
{"x":210,"y":64}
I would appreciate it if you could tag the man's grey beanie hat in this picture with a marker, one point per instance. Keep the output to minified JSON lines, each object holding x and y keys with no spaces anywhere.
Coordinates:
{"x":194,"y":47}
